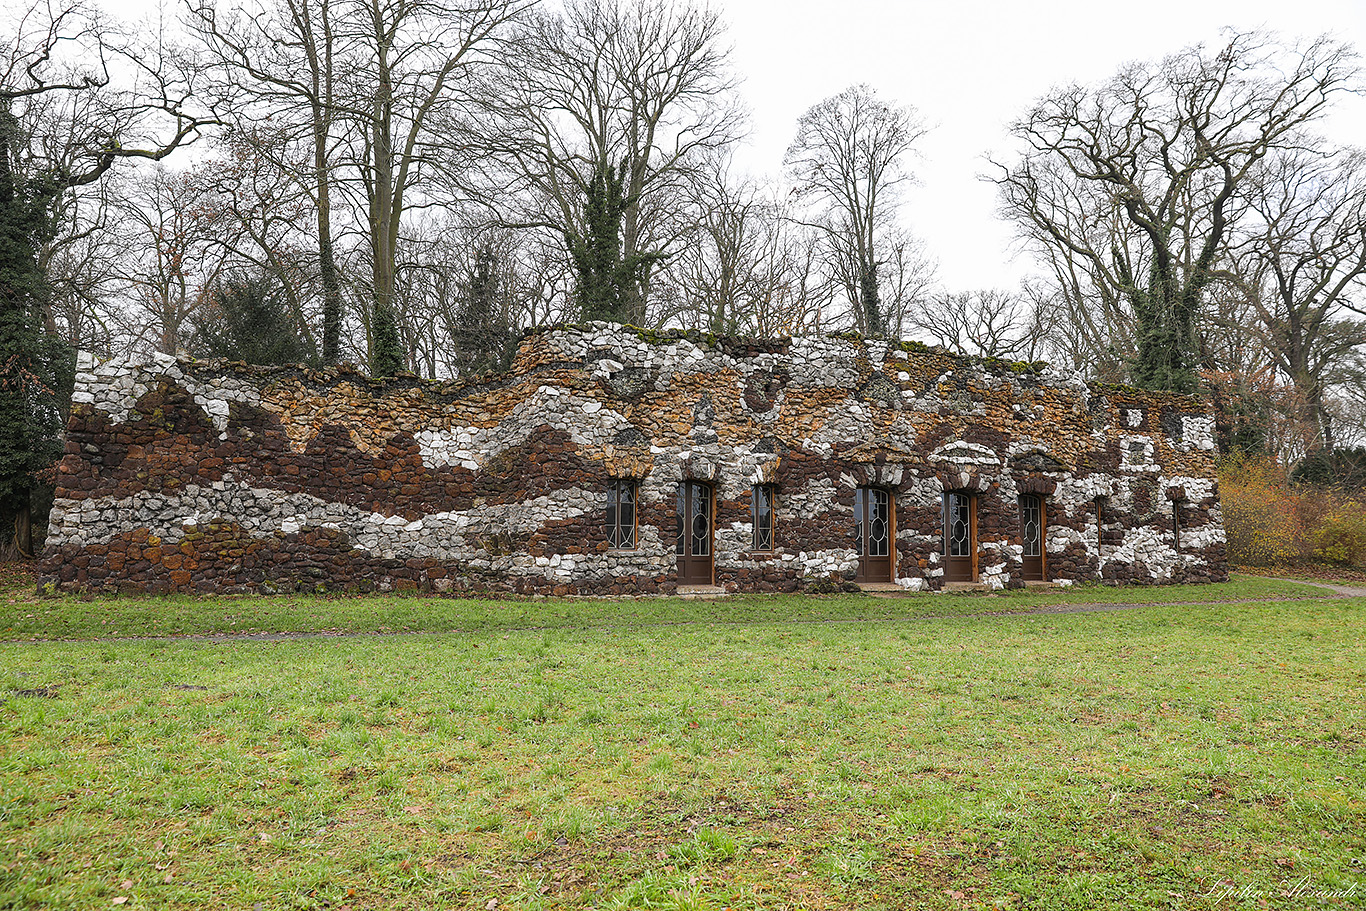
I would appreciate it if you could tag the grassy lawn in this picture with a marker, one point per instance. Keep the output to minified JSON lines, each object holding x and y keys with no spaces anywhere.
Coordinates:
{"x":23,"y":615}
{"x":613,"y":757}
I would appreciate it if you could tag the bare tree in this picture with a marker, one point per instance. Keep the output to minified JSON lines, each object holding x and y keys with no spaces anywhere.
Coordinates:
{"x":1131,"y":190}
{"x":173,"y":226}
{"x":282,"y":63}
{"x":639,"y":89}
{"x":716,"y":269}
{"x":849,"y":157}
{"x":1300,"y":264}
{"x":87,"y":95}
{"x":261,"y":217}
{"x":418,"y":63}
{"x":993,"y":323}
{"x":80,"y":262}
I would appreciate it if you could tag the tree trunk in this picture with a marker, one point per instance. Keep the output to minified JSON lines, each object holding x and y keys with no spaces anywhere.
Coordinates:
{"x":327,"y":262}
{"x":872,"y":310}
{"x":23,"y":531}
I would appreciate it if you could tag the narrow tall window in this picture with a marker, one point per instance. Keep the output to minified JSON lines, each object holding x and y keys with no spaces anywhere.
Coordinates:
{"x":621,"y":515}
{"x":1033,"y":530}
{"x":960,"y":538}
{"x":1100,"y":524}
{"x":763,"y":517}
{"x":1176,"y":525}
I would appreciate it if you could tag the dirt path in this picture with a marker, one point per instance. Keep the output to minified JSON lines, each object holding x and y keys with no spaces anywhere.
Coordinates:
{"x":1088,"y":607}
{"x":1344,"y":591}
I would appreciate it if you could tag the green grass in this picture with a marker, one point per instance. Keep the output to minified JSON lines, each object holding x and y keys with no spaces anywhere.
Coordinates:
{"x":25,"y":616}
{"x":1151,"y":758}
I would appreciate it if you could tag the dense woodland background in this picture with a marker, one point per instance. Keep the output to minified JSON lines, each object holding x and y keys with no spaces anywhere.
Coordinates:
{"x":410,"y":184}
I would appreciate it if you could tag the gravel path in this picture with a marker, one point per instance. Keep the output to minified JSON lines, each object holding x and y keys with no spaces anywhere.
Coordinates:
{"x":1345,"y":591}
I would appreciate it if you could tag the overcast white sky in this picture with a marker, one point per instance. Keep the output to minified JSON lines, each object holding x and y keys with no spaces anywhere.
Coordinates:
{"x":971,"y":68}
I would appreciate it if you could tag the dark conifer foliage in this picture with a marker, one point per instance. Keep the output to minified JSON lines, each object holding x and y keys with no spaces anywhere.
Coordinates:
{"x":34,"y":367}
{"x":483,"y":336}
{"x":1342,"y":467}
{"x":247,"y":320}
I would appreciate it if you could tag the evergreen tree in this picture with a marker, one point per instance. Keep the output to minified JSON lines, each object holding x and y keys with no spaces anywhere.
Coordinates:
{"x":481,"y":333}
{"x":247,"y":321}
{"x":605,"y":282}
{"x":33,"y":367}
{"x":1343,"y":468}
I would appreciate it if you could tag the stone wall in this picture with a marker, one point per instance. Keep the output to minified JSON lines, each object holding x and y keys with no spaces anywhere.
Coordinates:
{"x":192,"y":476}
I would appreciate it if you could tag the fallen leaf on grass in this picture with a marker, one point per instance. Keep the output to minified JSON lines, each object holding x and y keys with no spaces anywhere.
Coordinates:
{"x":120,"y":899}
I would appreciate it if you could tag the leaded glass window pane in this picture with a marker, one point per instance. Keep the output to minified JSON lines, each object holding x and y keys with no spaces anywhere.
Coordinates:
{"x":872,"y":522}
{"x":613,"y":526}
{"x":680,"y":512}
{"x":621,"y":515}
{"x":959,"y":522}
{"x":1031,"y":525}
{"x":701,"y":520}
{"x":763,"y":517}
{"x":859,"y":497}
{"x":879,"y":523}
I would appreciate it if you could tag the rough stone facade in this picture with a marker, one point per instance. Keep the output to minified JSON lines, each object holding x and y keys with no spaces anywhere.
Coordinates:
{"x":193,"y":476}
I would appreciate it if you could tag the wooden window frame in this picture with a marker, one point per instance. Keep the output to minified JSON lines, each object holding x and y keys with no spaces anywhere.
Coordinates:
{"x":1043,"y":529}
{"x":772,"y":492}
{"x":1100,"y":526}
{"x":971,"y":496}
{"x":614,"y":500}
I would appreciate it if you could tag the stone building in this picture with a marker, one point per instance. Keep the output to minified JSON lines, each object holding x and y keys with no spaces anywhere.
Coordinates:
{"x":610,"y":460}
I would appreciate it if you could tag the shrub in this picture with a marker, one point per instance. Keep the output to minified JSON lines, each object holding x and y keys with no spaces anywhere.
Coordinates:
{"x":1259,"y":514}
{"x":1273,"y":522}
{"x":1342,"y":536}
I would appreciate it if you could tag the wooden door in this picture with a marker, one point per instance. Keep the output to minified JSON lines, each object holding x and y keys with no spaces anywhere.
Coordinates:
{"x":1033,"y":532}
{"x":873,"y":534}
{"x":960,"y":537}
{"x":694,"y":533}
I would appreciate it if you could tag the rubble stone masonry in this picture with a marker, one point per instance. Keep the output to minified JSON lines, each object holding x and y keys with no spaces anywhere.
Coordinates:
{"x":182,"y":475}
